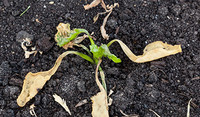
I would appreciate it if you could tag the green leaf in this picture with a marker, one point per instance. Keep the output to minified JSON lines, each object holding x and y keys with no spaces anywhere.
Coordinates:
{"x":109,"y":55}
{"x":96,"y":51}
{"x":103,"y":51}
{"x":86,"y":57}
{"x":64,"y":39}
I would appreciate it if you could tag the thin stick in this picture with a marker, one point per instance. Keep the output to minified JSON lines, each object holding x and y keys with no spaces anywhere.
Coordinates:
{"x":196,"y":78}
{"x":188,"y":108}
{"x":155,"y":113}
{"x":25,"y":10}
{"x":96,"y":76}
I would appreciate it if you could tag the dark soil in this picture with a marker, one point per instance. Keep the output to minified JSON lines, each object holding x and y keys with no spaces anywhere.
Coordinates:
{"x":165,"y":85}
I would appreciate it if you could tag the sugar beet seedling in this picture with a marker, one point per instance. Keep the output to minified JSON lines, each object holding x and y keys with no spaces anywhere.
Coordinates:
{"x":68,"y":38}
{"x":95,"y":52}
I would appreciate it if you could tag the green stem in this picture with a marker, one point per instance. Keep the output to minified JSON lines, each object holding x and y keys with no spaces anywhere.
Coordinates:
{"x":102,"y":75}
{"x":72,"y":36}
{"x":86,"y":57}
{"x":85,"y":31}
{"x":25,"y":10}
{"x":111,"y":42}
{"x":85,"y":48}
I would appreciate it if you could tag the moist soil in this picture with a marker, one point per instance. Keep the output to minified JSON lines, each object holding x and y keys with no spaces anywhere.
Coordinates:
{"x":164,"y":86}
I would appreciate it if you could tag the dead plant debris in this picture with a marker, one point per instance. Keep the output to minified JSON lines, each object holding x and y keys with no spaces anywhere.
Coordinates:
{"x":154,"y":113}
{"x":125,"y":115}
{"x":32,"y":111}
{"x":152,"y":51}
{"x":27,"y":42}
{"x":62,"y":102}
{"x":99,"y":101}
{"x":82,"y":102}
{"x":188,"y":108}
{"x":108,"y":9}
{"x":94,"y":4}
{"x":35,"y":81}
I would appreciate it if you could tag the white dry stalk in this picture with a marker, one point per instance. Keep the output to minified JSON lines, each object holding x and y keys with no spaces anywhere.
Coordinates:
{"x":110,"y":93}
{"x":99,"y":101}
{"x":32,"y":111}
{"x":188,"y":108}
{"x":62,"y":102}
{"x":110,"y":100}
{"x":107,"y":9}
{"x":27,"y":42}
{"x":94,"y":4}
{"x":82,"y":102}
{"x":51,"y":2}
{"x":154,"y":113}
{"x":102,"y":28}
{"x":28,"y":53}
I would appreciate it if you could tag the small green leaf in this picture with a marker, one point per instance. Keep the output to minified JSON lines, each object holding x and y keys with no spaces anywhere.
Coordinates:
{"x":86,"y":57}
{"x":109,"y":55}
{"x":96,"y":51}
{"x":103,"y":51}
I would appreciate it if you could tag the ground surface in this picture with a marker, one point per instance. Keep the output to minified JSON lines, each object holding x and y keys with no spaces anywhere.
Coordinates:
{"x":165,"y":85}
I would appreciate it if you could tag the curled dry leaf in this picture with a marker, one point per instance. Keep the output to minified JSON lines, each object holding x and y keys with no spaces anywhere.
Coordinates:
{"x":35,"y":81}
{"x":63,"y":29}
{"x":64,"y":32}
{"x":62,"y":102}
{"x":32,"y":111}
{"x":110,"y":100}
{"x":151,"y":52}
{"x":27,"y":53}
{"x":82,"y":102}
{"x":154,"y":113}
{"x":75,"y":42}
{"x":99,"y":101}
{"x":102,"y":28}
{"x":94,"y":4}
{"x":125,"y":115}
{"x":188,"y":108}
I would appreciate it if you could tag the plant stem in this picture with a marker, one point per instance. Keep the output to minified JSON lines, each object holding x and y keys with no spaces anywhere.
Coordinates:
{"x":102,"y":75}
{"x":25,"y":10}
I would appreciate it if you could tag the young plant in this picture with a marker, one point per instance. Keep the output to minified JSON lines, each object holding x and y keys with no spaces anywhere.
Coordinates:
{"x":35,"y":81}
{"x":63,"y":37}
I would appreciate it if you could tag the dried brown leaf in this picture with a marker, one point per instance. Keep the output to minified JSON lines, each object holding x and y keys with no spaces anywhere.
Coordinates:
{"x":82,"y":102}
{"x":63,"y":29}
{"x":92,"y":4}
{"x":125,"y":115}
{"x":32,"y":111}
{"x":35,"y":81}
{"x":99,"y":101}
{"x":27,"y":42}
{"x":102,"y":28}
{"x":62,"y":102}
{"x":188,"y":108}
{"x":152,"y":51}
{"x":95,"y":18}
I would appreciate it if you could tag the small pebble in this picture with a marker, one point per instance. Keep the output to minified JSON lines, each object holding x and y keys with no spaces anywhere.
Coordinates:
{"x":81,"y":86}
{"x":51,"y":2}
{"x":163,"y":10}
{"x":6,"y":3}
{"x":22,"y":35}
{"x":112,"y":23}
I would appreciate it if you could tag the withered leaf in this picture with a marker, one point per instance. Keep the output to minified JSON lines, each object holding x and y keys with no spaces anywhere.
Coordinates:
{"x":152,"y":51}
{"x":35,"y":81}
{"x":99,"y":101}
